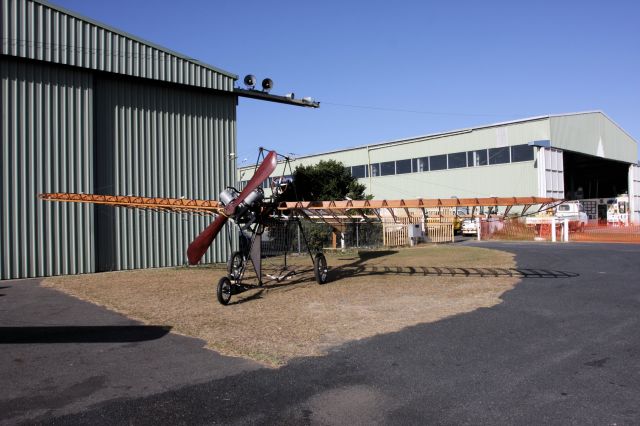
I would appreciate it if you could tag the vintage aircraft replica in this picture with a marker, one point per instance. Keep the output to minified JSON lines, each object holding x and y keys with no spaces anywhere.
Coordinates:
{"x":252,"y":212}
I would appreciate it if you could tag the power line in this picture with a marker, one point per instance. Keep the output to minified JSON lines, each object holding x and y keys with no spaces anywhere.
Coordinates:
{"x":379,"y":108}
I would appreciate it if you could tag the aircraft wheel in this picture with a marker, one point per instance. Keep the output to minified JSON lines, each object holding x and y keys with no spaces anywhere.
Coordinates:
{"x":224,"y":290}
{"x":320,"y":268}
{"x":235,"y":264}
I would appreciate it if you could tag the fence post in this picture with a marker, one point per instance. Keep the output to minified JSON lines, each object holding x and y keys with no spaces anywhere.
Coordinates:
{"x":478,"y":227}
{"x":553,"y":229}
{"x":565,"y":230}
{"x":298,"y":228}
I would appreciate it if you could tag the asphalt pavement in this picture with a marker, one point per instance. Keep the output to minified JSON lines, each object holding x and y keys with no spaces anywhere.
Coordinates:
{"x":562,"y":348}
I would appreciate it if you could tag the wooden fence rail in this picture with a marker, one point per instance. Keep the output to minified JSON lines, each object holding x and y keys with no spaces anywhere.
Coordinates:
{"x":440,"y":232}
{"x":396,"y":234}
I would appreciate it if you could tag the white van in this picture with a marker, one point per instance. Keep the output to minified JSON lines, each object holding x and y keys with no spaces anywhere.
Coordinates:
{"x":574,"y":211}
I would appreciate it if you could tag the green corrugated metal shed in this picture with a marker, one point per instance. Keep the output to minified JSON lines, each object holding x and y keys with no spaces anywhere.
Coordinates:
{"x":87,"y":108}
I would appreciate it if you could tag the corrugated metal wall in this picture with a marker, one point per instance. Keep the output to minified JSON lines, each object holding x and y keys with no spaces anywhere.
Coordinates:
{"x":37,"y":30}
{"x":159,"y":141}
{"x":550,"y":172}
{"x":47,"y":141}
{"x":149,"y":139}
{"x":634,"y":193}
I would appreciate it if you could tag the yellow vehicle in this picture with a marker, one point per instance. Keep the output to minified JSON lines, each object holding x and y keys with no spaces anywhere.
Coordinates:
{"x":457,"y":224}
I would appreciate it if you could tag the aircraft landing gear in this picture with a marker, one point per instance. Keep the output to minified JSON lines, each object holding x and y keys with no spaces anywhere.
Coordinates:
{"x":320,"y":268}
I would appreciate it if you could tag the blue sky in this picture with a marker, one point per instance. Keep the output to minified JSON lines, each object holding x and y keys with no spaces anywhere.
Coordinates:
{"x":388,"y":70}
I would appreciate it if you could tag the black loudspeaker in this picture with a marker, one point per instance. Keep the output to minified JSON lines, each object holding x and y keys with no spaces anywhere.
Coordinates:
{"x":250,"y":81}
{"x":267,"y":84}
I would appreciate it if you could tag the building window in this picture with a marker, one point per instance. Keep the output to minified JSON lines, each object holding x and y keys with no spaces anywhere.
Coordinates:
{"x":420,"y":164}
{"x":457,"y":160}
{"x":477,"y":158}
{"x":499,"y":155}
{"x":375,"y":169}
{"x":403,"y":166}
{"x":388,"y":168}
{"x":438,"y":162}
{"x":521,"y":153}
{"x":359,"y":172}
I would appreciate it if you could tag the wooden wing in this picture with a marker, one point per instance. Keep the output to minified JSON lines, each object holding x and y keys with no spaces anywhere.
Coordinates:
{"x":179,"y":205}
{"x":338,"y":212}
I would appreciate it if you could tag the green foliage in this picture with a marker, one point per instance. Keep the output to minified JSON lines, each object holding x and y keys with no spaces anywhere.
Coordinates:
{"x":326,"y":180}
{"x":318,"y":235}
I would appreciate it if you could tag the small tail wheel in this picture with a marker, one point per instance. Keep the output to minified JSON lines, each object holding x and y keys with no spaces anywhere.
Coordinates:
{"x":224,"y":290}
{"x":320,"y":268}
{"x":235,"y":264}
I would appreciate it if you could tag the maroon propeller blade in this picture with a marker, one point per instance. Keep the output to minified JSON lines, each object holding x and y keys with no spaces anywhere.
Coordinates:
{"x":200,"y":245}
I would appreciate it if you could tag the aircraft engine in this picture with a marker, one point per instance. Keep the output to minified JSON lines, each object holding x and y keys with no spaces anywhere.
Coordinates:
{"x":243,"y":211}
{"x":254,"y":197}
{"x":228,"y":195}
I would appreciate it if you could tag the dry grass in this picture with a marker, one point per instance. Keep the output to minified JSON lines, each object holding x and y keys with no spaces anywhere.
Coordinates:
{"x":298,"y":317}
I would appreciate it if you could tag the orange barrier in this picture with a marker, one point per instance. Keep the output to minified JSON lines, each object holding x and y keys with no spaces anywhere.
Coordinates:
{"x":592,"y":232}
{"x":500,"y":229}
{"x":599,"y":232}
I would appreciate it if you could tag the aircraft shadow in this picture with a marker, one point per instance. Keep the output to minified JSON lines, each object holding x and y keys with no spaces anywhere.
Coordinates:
{"x":358,"y":268}
{"x":447,"y":271}
{"x":82,"y":334}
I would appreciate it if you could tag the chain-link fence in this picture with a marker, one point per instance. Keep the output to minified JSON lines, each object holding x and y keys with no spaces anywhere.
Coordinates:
{"x":283,"y":237}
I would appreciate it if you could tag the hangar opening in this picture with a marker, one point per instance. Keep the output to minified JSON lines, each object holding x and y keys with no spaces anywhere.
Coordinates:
{"x":587,"y":177}
{"x":598,"y":183}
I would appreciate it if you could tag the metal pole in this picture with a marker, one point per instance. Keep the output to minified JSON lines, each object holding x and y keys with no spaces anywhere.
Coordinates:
{"x":357,"y":235}
{"x":553,"y":229}
{"x":298,"y":228}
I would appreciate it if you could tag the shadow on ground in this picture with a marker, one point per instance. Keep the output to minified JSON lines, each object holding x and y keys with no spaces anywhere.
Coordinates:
{"x":359,"y":268}
{"x":439,"y":271}
{"x":82,"y":334}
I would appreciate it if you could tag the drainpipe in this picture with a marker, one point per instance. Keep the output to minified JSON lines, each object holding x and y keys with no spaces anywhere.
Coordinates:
{"x":369,"y":169}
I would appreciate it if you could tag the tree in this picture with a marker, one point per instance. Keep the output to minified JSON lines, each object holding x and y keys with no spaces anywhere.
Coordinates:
{"x":326,"y":180}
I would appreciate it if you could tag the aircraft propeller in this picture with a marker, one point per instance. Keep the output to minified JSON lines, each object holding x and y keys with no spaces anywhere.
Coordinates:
{"x":202,"y":242}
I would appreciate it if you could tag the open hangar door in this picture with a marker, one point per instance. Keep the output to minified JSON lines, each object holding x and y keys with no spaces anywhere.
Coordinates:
{"x":594,"y":180}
